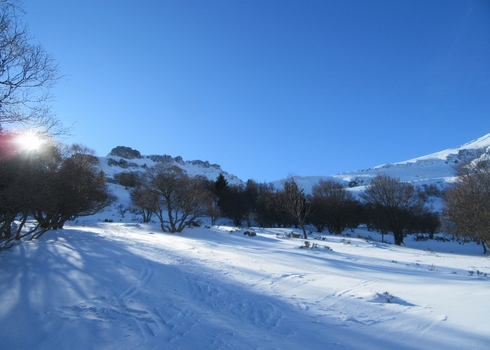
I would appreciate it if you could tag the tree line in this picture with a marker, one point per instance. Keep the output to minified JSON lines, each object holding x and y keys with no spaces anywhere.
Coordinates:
{"x":387,"y":204}
{"x":58,"y":183}
{"x":177,"y":200}
{"x":50,"y":185}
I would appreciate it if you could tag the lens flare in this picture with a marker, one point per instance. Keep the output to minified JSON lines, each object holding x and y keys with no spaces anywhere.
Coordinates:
{"x":29,"y":142}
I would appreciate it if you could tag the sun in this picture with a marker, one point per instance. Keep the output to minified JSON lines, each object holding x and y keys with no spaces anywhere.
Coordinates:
{"x":29,"y":142}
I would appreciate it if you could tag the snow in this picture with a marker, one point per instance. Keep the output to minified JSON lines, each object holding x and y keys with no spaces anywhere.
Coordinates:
{"x":433,"y":169}
{"x":125,"y":285}
{"x":191,"y":168}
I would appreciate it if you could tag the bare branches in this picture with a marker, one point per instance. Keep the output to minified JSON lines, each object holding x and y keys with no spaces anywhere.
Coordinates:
{"x":393,"y":203}
{"x":176,"y":199}
{"x":333,"y":207}
{"x":27,"y":73}
{"x":467,"y":203}
{"x":295,"y":203}
{"x":52,"y":185}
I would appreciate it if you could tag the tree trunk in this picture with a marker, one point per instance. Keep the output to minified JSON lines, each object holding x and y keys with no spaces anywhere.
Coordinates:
{"x":485,"y":246}
{"x":305,"y":236}
{"x":398,"y":237}
{"x":19,"y":229}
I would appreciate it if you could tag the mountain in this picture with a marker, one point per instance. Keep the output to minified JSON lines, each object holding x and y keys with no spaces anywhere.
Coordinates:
{"x":433,"y":169}
{"x":436,"y":169}
{"x":122,"y":158}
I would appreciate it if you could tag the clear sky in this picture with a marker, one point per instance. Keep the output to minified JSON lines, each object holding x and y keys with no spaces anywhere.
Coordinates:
{"x":266,"y":88}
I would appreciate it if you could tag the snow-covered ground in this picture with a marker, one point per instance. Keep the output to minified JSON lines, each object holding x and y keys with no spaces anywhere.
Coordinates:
{"x":99,"y":285}
{"x":123,"y":285}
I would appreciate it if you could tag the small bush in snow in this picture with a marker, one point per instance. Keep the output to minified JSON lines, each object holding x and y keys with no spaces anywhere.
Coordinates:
{"x":389,"y":297}
{"x":122,"y":209}
{"x":309,"y":245}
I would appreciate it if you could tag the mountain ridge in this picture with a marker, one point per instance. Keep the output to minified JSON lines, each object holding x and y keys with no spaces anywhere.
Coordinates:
{"x":122,"y":158}
{"x":432,"y":169}
{"x":438,"y":165}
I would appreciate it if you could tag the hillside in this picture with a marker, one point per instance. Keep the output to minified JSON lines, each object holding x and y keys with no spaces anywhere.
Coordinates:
{"x":124,"y":158}
{"x":130,"y":286}
{"x":433,"y":169}
{"x":436,"y":168}
{"x":127,"y":285}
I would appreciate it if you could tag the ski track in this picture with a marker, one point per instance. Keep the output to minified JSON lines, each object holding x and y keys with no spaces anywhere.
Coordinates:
{"x":239,"y":305}
{"x":125,"y":305}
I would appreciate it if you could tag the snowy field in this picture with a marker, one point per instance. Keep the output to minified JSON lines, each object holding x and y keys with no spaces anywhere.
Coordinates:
{"x":130,"y":286}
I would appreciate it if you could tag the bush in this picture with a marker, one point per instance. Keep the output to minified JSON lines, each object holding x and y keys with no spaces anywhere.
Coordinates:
{"x":54,"y":184}
{"x":129,"y":179}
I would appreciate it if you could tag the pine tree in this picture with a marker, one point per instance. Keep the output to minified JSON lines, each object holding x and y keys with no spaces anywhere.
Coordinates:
{"x":221,"y":184}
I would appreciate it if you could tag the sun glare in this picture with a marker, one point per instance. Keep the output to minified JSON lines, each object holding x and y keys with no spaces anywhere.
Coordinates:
{"x":29,"y":142}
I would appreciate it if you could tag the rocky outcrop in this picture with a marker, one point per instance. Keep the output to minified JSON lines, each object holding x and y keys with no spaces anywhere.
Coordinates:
{"x":121,"y":163}
{"x":204,"y":164}
{"x":125,"y":152}
{"x":161,"y":159}
{"x":123,"y":158}
{"x":179,"y":160}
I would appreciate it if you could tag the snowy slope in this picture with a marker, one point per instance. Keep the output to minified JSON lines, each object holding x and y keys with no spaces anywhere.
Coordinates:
{"x":124,"y":285}
{"x":113,"y":164}
{"x":436,"y":168}
{"x":130,"y":286}
{"x":433,"y":169}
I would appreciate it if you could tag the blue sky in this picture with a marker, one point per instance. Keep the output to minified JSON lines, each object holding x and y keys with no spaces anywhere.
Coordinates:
{"x":267,"y":88}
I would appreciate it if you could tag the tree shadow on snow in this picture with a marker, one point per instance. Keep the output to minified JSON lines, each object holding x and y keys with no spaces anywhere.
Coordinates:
{"x":75,"y":289}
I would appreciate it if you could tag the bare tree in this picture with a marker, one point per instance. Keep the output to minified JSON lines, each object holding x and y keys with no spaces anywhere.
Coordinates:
{"x":27,"y":73}
{"x":213,"y":211}
{"x":333,"y":206}
{"x":295,"y":204}
{"x":24,"y":182}
{"x":146,"y":201}
{"x":75,"y":188}
{"x":467,"y":203}
{"x":394,"y":202}
{"x":53,"y":185}
{"x":181,"y":199}
{"x":269,"y":208}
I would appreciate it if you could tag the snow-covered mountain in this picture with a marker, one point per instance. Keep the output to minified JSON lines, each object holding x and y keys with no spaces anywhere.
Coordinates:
{"x":122,"y":159}
{"x":433,"y":169}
